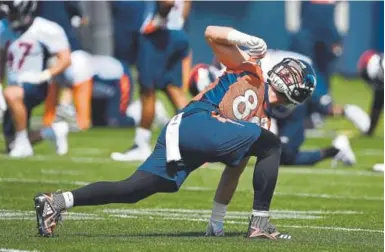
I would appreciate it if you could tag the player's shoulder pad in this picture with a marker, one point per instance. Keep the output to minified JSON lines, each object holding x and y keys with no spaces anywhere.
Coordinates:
{"x":45,"y":27}
{"x":254,"y":68}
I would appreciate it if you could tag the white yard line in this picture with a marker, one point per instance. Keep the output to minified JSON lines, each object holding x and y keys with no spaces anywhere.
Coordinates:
{"x":60,"y":172}
{"x":195,"y":188}
{"x":288,"y":226}
{"x":216,"y":166}
{"x":206,"y":211}
{"x":230,"y":215}
{"x":189,"y":215}
{"x":16,"y":250}
{"x":313,"y":171}
{"x":88,"y":151}
{"x":329,"y":196}
{"x":371,"y":152}
{"x":45,"y":181}
{"x":200,"y":215}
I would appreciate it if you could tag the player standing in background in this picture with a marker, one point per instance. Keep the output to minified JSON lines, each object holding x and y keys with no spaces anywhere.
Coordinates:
{"x":62,"y":13}
{"x":102,"y":89}
{"x":25,"y":42}
{"x":318,"y":37}
{"x":162,"y":48}
{"x":127,"y":18}
{"x":210,"y":129}
{"x":320,"y":40}
{"x":68,"y":15}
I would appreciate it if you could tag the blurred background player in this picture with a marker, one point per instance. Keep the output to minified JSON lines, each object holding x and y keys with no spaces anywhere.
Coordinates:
{"x":371,"y":69}
{"x":69,"y":15}
{"x":163,"y":45}
{"x":319,"y":39}
{"x":102,"y":89}
{"x":26,"y":40}
{"x":127,"y":18}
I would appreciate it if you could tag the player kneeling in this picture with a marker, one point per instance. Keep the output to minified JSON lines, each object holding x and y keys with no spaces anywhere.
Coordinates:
{"x":102,"y":89}
{"x":26,"y":40}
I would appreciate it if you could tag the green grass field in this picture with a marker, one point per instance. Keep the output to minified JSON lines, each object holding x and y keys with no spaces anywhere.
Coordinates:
{"x":323,"y":208}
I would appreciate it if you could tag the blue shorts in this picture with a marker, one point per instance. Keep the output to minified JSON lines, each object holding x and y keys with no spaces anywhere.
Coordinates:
{"x":160,"y":58}
{"x":125,"y":45}
{"x":34,"y":95}
{"x":203,"y":137}
{"x":110,"y":99}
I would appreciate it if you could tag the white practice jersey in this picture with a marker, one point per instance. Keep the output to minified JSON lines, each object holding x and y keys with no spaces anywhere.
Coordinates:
{"x":80,"y":70}
{"x":175,"y":20}
{"x":86,"y":66}
{"x":273,"y":57}
{"x":107,"y":67}
{"x":29,"y":50}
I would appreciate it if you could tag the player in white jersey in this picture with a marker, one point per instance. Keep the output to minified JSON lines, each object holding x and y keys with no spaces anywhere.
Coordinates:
{"x":163,"y":46}
{"x":27,"y":41}
{"x":102,"y":90}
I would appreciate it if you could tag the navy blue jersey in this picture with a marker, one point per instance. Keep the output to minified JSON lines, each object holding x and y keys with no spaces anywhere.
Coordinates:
{"x":129,"y":15}
{"x":318,"y":17}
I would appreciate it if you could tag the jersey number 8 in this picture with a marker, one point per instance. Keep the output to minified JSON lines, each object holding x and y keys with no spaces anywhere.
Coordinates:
{"x":243,"y":105}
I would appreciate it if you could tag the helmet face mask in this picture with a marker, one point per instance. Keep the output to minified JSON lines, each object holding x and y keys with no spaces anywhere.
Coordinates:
{"x":293,"y":78}
{"x":282,"y":107}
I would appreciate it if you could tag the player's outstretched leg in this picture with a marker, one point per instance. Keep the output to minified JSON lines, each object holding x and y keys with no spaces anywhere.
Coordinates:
{"x":268,"y":150}
{"x":140,"y":185}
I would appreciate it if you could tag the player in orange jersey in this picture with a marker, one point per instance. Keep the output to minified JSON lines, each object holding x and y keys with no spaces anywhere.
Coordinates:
{"x":212,"y":128}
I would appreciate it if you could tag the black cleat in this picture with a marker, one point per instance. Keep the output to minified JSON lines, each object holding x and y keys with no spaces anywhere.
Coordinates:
{"x":46,"y":215}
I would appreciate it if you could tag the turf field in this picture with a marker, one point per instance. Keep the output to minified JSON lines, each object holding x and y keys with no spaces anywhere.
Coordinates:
{"x":323,"y":208}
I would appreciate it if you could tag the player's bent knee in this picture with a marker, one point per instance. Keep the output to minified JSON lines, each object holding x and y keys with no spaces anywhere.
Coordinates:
{"x":147,"y":91}
{"x":288,"y":156}
{"x":266,"y":144}
{"x":13,"y":94}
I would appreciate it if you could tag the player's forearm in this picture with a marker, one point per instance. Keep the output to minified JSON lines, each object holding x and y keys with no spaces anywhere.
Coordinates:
{"x":164,"y":7}
{"x":186,"y":9}
{"x":229,"y":36}
{"x":226,"y":52}
{"x":229,"y":182}
{"x":63,"y":61}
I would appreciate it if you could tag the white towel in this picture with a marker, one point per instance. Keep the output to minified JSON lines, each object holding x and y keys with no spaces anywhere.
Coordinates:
{"x":172,"y":139}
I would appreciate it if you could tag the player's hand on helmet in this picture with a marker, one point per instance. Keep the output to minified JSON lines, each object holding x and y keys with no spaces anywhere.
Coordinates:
{"x":34,"y":77}
{"x":257,"y":47}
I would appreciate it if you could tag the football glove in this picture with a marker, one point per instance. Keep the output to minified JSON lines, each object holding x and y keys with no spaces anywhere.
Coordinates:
{"x":34,"y":77}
